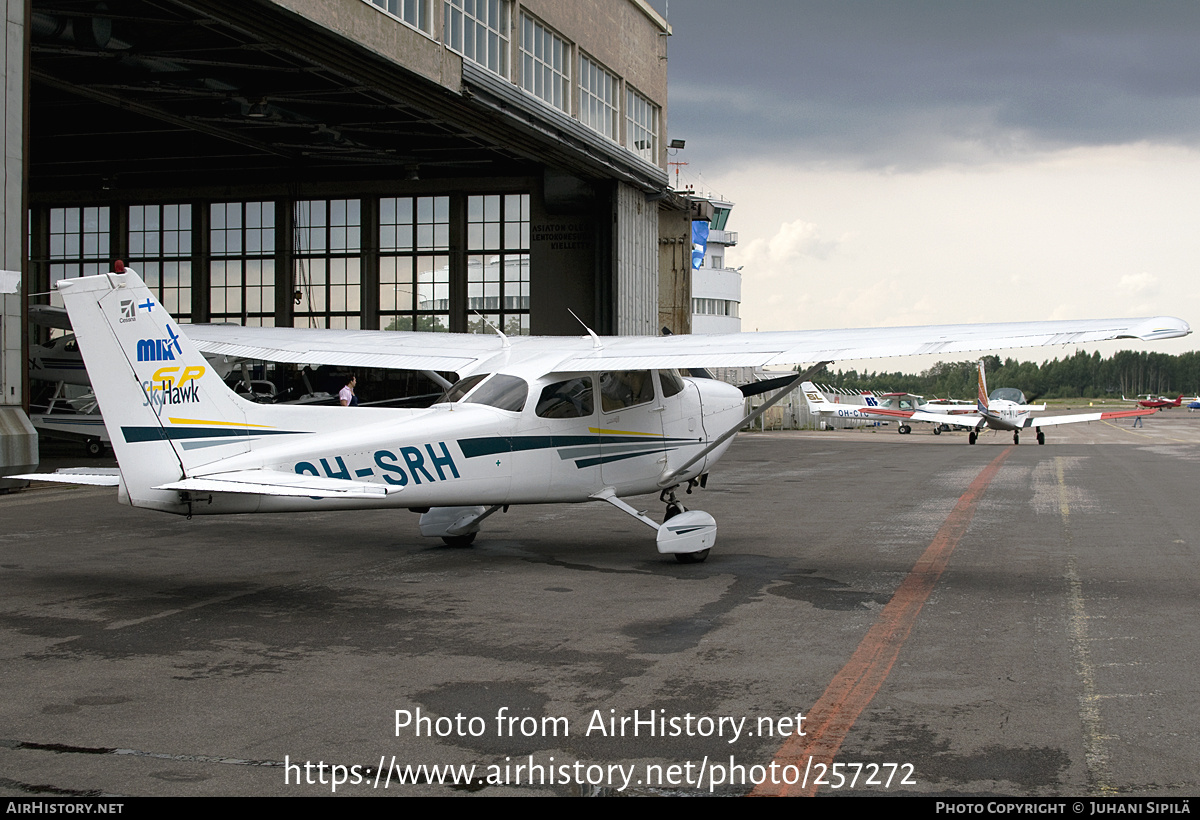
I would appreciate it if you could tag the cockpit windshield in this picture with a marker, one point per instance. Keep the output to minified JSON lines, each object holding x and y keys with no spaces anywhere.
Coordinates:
{"x":461,"y":388}
{"x":502,"y":392}
{"x":499,"y":391}
{"x":1007,"y":394}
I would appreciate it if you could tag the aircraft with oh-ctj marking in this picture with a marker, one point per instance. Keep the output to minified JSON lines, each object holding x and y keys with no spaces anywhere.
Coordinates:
{"x":531,"y":420}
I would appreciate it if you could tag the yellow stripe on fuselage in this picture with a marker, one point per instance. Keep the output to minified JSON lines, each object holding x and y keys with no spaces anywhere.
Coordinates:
{"x":619,"y":432}
{"x":220,"y":423}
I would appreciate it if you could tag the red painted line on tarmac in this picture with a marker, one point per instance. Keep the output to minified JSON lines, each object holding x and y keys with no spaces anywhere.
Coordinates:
{"x":853,"y":688}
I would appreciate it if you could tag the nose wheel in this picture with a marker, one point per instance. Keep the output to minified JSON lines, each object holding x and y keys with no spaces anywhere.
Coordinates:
{"x":971,"y":437}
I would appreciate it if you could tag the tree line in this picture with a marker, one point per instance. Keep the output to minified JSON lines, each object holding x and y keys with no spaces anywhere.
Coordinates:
{"x":1088,"y":375}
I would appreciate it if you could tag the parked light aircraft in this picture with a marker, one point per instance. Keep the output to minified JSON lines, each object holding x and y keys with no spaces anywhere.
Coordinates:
{"x":531,"y":420}
{"x":889,"y":407}
{"x":1005,"y":408}
{"x":1155,"y":402}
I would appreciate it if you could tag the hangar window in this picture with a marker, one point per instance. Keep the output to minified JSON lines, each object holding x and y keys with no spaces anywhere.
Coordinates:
{"x":498,"y":263}
{"x":478,"y":30}
{"x":414,"y":12}
{"x":328,"y":269}
{"x":242,"y":267}
{"x":715,"y":307}
{"x":79,"y":242}
{"x":641,"y":126}
{"x":545,"y":64}
{"x":598,"y":98}
{"x":414,"y":263}
{"x":160,"y":250}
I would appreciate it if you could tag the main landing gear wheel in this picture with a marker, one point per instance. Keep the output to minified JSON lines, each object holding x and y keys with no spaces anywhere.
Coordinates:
{"x":1016,"y":438}
{"x":673,"y":509}
{"x":937,"y":431}
{"x":1041,"y":437}
{"x":94,"y":447}
{"x":691,"y":557}
{"x":460,"y":540}
{"x":905,"y":429}
{"x":971,"y":437}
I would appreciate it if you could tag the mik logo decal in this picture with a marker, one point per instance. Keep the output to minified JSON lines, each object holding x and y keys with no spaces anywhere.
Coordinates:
{"x":162,"y":389}
{"x":397,"y":467}
{"x":159,"y":350}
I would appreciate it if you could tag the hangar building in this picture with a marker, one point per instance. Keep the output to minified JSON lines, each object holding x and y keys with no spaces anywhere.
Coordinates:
{"x":391,"y":164}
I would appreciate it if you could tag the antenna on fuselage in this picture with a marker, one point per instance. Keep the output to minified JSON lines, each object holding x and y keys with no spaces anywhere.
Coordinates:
{"x":595,"y":339}
{"x":504,"y":339}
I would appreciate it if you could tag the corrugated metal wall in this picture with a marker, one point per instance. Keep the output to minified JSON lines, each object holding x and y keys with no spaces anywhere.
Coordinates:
{"x":18,"y":441}
{"x":636,"y":252}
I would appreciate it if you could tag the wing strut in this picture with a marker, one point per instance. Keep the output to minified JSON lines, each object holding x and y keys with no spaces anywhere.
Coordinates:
{"x":669,"y":478}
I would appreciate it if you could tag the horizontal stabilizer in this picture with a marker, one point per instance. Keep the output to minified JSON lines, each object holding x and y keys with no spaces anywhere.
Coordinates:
{"x":275,"y":482}
{"x":94,"y":476}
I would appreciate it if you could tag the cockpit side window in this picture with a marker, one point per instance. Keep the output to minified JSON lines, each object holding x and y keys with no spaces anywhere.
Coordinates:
{"x":625,"y":388}
{"x":570,"y":399}
{"x":672,"y":383}
{"x":461,"y":388}
{"x":502,"y":392}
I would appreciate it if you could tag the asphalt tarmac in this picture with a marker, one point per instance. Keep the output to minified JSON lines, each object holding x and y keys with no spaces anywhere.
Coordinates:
{"x":958,"y":620}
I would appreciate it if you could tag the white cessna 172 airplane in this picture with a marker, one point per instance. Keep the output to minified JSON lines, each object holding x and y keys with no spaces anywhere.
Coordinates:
{"x":1005,"y":408}
{"x":532,"y":419}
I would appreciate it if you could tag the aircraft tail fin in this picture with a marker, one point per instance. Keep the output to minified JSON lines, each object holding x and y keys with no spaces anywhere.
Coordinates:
{"x":815,"y":398}
{"x":164,"y":405}
{"x":981,"y":402}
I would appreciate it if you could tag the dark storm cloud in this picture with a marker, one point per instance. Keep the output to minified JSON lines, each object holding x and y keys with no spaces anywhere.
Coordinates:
{"x":920,"y":83}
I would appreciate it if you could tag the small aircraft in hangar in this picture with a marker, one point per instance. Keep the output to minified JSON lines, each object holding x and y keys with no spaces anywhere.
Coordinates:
{"x":1006,"y":408}
{"x":531,"y":420}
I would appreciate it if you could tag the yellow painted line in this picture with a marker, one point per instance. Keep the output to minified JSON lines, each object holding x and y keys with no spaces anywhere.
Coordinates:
{"x":620,"y":432}
{"x":220,"y":423}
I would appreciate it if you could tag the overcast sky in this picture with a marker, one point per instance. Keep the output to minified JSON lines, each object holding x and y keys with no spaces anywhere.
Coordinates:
{"x":929,"y":162}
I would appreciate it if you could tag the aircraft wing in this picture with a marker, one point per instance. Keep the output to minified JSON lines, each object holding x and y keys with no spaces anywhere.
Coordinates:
{"x":1075,"y":418}
{"x":465,"y":353}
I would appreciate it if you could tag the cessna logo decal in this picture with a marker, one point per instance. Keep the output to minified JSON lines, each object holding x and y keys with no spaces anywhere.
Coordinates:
{"x":159,"y":350}
{"x":128,"y":314}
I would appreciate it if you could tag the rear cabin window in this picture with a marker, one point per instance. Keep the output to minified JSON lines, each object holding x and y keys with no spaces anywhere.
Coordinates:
{"x":625,"y":388}
{"x":570,"y":399}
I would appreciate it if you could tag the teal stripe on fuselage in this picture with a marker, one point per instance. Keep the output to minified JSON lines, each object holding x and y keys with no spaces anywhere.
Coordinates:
{"x":474,"y":447}
{"x":136,"y":434}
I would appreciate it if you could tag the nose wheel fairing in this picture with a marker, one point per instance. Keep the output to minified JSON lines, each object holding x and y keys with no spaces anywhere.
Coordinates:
{"x":686,"y":534}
